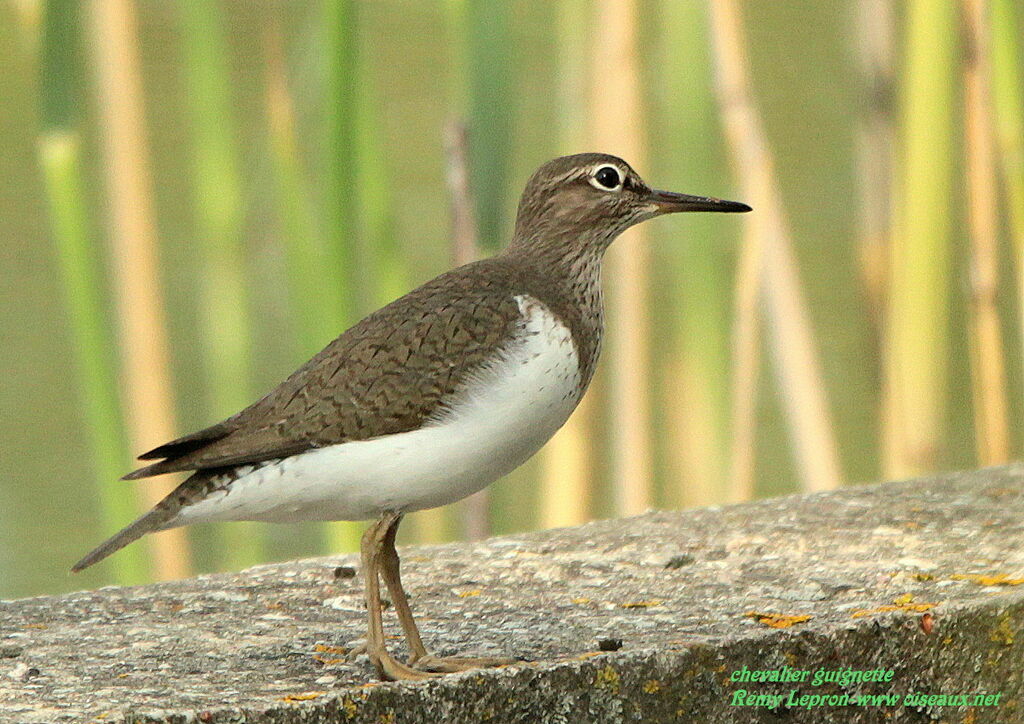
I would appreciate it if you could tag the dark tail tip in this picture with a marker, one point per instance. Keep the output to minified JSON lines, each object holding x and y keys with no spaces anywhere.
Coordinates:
{"x":144,"y":472}
{"x":151,"y":521}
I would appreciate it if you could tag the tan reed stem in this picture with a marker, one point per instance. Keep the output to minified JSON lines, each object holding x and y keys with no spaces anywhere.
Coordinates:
{"x":788,"y":325}
{"x":991,"y":413}
{"x":615,"y":61}
{"x":143,"y":330}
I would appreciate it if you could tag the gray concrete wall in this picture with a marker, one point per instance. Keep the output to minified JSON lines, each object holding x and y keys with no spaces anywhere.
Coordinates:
{"x":919,"y":578}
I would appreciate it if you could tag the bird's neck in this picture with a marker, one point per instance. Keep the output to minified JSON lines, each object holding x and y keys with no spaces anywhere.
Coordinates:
{"x":567,"y":278}
{"x":566,"y":256}
{"x":573,"y":268}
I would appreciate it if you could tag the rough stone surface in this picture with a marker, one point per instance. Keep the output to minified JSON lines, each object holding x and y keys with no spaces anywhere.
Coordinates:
{"x":673,"y":588}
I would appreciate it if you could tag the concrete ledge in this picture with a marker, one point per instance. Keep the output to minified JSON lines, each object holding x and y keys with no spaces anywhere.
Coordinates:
{"x":920,"y":578}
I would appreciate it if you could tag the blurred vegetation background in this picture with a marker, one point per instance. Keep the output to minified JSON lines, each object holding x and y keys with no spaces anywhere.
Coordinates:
{"x":198,"y":196}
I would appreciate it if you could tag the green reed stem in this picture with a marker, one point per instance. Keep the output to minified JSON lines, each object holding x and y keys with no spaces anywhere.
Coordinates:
{"x":341,"y":79}
{"x":700,"y":264}
{"x":376,"y":230}
{"x":77,"y":256}
{"x":481,"y":34}
{"x":918,"y":339}
{"x":309,"y":282}
{"x":341,"y":83}
{"x":224,"y":302}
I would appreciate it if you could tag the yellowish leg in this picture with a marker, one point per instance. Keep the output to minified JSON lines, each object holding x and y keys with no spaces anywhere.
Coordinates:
{"x":393,"y":579}
{"x":419,"y":656}
{"x":371,"y":553}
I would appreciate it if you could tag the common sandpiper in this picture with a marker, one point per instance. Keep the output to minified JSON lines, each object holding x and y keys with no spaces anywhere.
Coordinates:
{"x":430,"y":398}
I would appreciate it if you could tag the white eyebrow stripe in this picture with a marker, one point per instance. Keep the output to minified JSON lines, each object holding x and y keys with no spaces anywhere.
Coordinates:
{"x":588,"y":173}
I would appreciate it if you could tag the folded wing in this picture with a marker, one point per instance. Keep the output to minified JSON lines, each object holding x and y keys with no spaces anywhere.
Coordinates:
{"x":388,"y":374}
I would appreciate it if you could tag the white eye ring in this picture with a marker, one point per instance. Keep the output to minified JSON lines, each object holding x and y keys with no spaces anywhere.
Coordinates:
{"x":602,"y":184}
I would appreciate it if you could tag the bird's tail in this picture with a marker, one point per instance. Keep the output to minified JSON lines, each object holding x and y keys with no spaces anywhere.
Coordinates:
{"x":155,"y":519}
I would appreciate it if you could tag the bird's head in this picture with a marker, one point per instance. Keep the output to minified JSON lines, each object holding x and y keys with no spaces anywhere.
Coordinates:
{"x":590,"y":198}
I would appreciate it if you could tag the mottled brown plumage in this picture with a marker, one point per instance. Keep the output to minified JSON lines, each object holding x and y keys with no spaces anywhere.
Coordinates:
{"x":388,"y":373}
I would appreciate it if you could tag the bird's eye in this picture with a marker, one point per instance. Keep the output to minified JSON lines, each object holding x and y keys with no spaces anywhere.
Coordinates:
{"x":607,"y":178}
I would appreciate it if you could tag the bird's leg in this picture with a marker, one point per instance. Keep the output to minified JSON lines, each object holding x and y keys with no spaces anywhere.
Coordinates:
{"x":393,"y":579}
{"x":371,"y":550}
{"x":419,"y":657}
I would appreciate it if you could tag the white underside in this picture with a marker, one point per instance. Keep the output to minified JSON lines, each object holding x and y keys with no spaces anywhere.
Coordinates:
{"x":499,"y":419}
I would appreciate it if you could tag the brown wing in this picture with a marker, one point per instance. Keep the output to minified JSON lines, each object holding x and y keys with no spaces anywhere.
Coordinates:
{"x":387,"y":374}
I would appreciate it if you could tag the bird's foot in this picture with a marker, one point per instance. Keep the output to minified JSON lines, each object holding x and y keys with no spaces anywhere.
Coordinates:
{"x":452,"y":664}
{"x":390,"y":669}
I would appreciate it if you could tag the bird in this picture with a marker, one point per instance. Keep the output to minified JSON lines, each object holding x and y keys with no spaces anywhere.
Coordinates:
{"x":427,"y":400}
